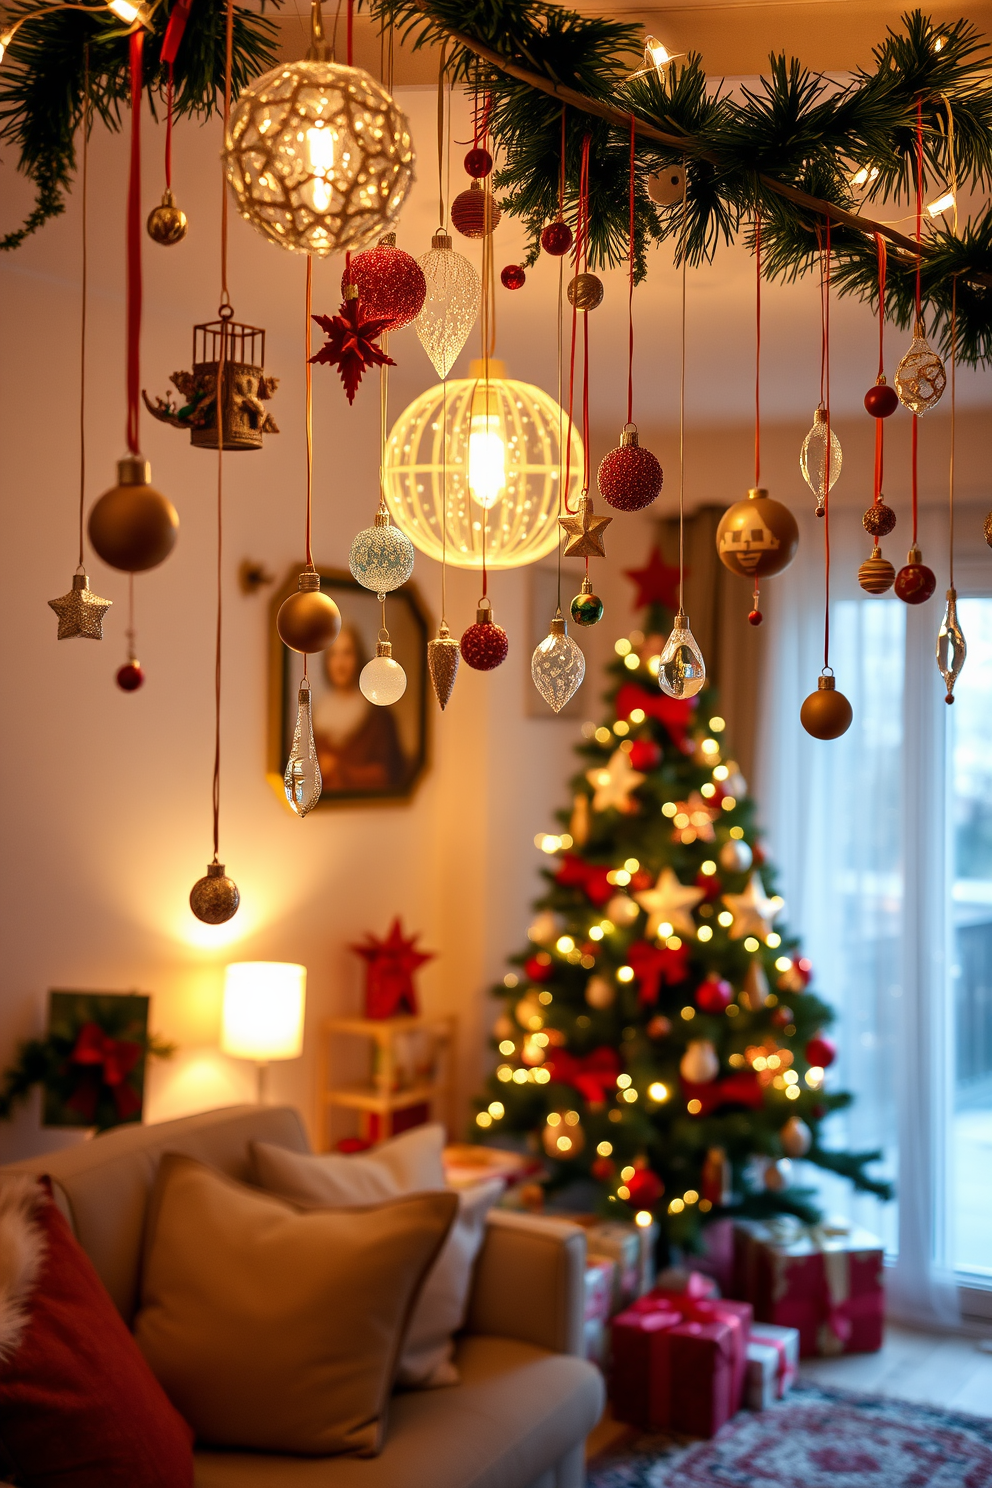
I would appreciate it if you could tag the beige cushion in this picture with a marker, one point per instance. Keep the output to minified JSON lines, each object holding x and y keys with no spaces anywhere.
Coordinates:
{"x":274,"y":1328}
{"x":397,"y":1166}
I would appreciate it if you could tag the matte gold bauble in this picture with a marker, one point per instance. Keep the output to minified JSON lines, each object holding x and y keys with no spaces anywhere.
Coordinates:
{"x":585,"y":292}
{"x":167,"y":224}
{"x":796,"y":1137}
{"x":308,"y":620}
{"x":757,"y":537}
{"x":876,"y":574}
{"x":826,"y":713}
{"x":133,"y":527}
{"x":214,"y":899}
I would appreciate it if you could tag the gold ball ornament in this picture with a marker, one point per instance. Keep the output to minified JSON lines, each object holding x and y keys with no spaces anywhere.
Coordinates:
{"x":876,"y":574}
{"x":215,"y":898}
{"x":666,"y":188}
{"x":167,"y":224}
{"x":826,"y":713}
{"x":132,"y":526}
{"x":757,"y":537}
{"x":308,"y":620}
{"x":563,"y":1137}
{"x":796,"y":1137}
{"x":585,"y":292}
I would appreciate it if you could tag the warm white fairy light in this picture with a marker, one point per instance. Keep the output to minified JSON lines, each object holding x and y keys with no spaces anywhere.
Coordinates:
{"x":942,"y":204}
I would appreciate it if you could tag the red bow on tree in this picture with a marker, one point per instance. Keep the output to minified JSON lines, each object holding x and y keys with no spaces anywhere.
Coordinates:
{"x":654,"y":965}
{"x":741,"y":1089}
{"x":593,"y":1075}
{"x":591,"y":878}
{"x":390,"y":964}
{"x":111,"y":1060}
{"x":350,"y":344}
{"x":675,"y":714}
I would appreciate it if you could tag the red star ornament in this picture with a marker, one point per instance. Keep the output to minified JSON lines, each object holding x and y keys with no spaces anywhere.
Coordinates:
{"x":351,"y":343}
{"x":390,"y":964}
{"x":657,"y":584}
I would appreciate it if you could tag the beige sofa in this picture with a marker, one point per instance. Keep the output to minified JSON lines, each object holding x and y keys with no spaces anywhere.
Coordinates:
{"x":526,"y":1400}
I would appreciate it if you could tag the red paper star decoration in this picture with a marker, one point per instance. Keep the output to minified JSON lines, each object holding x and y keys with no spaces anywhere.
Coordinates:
{"x":350,"y":344}
{"x":390,"y":964}
{"x":657,"y":584}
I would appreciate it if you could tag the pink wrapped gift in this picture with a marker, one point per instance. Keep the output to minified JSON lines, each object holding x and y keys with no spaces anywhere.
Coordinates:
{"x":696,"y":1304}
{"x":600,"y":1285}
{"x":785,"y":1342}
{"x":640,"y":1370}
{"x":670,"y":1372}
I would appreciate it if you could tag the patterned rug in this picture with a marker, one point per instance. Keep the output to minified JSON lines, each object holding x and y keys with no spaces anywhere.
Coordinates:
{"x":814,"y":1439}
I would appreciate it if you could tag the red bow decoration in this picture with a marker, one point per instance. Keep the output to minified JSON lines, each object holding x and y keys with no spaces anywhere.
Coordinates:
{"x":593,"y":1075}
{"x":389,"y":989}
{"x":591,"y":878}
{"x":350,"y":344}
{"x":656,"y":582}
{"x":112,"y":1060}
{"x":741,"y":1089}
{"x":675,"y":714}
{"x":655,"y":965}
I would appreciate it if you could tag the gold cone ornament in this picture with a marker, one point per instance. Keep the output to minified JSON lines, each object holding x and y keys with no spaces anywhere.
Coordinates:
{"x":167,"y":224}
{"x":952,"y":648}
{"x":920,"y":376}
{"x":443,"y":656}
{"x":80,"y":611}
{"x":876,"y":574}
{"x":215,"y":898}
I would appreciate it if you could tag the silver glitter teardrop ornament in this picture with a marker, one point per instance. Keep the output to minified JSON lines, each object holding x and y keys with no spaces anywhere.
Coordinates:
{"x":952,"y":648}
{"x":920,"y":376}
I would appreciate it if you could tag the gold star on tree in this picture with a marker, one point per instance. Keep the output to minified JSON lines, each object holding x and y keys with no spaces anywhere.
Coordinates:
{"x":80,"y":611}
{"x":753,"y":913}
{"x":693,"y":820}
{"x":584,"y":531}
{"x":670,"y":902}
{"x":614,"y":782}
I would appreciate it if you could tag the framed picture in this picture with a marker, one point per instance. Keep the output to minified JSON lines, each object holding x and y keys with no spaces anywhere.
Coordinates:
{"x":102,"y":1042}
{"x":366,"y":753}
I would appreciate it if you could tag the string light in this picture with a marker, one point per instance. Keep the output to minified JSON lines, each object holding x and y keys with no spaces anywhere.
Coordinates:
{"x":941,"y":205}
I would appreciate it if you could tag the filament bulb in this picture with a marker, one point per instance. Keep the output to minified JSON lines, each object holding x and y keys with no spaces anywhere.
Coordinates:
{"x":681,"y":668}
{"x":952,"y":648}
{"x":557,"y":666}
{"x":812,"y":460}
{"x":302,"y":780}
{"x":320,"y":153}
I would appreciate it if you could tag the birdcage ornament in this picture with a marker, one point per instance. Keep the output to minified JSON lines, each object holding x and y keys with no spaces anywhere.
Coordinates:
{"x":245,"y":387}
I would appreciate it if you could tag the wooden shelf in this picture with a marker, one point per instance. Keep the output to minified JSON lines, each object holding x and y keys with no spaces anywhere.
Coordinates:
{"x":366,"y":1098}
{"x":375,"y":1099}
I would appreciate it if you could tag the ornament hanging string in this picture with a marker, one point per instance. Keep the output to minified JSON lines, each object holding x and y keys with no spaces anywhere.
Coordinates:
{"x":683,"y":249}
{"x":630,"y":285}
{"x":442,"y":214}
{"x":579,"y":252}
{"x":757,"y":388}
{"x":950,"y":472}
{"x":81,"y":567}
{"x":488,"y":332}
{"x":918,"y":297}
{"x":880,"y":423}
{"x":134,"y":226}
{"x":129,"y":634}
{"x":825,"y":390}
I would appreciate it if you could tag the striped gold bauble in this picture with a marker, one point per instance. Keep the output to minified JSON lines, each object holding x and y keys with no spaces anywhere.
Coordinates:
{"x":876,"y":574}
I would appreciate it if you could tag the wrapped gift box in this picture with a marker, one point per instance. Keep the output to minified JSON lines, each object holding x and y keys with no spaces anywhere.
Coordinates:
{"x":696,"y":1303}
{"x":600,"y":1288}
{"x":825,"y":1281}
{"x":785,"y":1342}
{"x":629,"y":1246}
{"x":760,"y":1379}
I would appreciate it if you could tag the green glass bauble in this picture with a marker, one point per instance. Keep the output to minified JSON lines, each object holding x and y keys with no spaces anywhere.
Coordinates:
{"x":586,"y":609}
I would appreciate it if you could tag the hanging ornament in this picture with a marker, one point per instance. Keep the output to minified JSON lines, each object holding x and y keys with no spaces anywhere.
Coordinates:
{"x":351,"y":341}
{"x":755,"y":991}
{"x":245,"y":388}
{"x":585,"y":292}
{"x":753,"y":912}
{"x":879,"y":520}
{"x":215,"y":898}
{"x":585,"y":532}
{"x":700,"y":1063}
{"x":132,"y":526}
{"x":80,"y":611}
{"x":391,"y":283}
{"x":586,"y":608}
{"x":754,"y":617}
{"x":484,"y":645}
{"x":670,"y":902}
{"x":167,"y":224}
{"x":130,"y":676}
{"x":645,"y":754}
{"x":442,"y":663}
{"x":681,"y":669}
{"x":881,"y":401}
{"x":546,"y":928}
{"x":513,"y":276}
{"x":563,"y":1136}
{"x":301,"y":779}
{"x":735,"y":856}
{"x":666,"y":188}
{"x":621,"y":910}
{"x":475,"y":213}
{"x":381,"y":556}
{"x":630,"y":476}
{"x":820,"y":1052}
{"x":796,"y":1137}
{"x":813,"y":458}
{"x":659,"y":1027}
{"x":826,"y":713}
{"x":614,"y":783}
{"x":757,"y":537}
{"x":714,"y":995}
{"x":556,"y":238}
{"x":915,"y":583}
{"x":478,"y":163}
{"x":451,"y":305}
{"x":600,"y":993}
{"x":952,"y":649}
{"x":308,"y":620}
{"x":382,"y":680}
{"x":920,"y":376}
{"x":778,"y":1175}
{"x":557,"y":666}
{"x":876,"y":574}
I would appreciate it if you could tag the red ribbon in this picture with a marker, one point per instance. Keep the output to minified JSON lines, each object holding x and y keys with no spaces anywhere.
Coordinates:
{"x":657,"y":965}
{"x":593,"y":1075}
{"x":675,"y":714}
{"x":174,"y":31}
{"x":112,"y":1060}
{"x":741,"y":1089}
{"x":134,"y":236}
{"x":591,"y":878}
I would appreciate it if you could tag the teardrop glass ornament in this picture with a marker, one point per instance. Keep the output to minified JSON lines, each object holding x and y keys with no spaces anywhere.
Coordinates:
{"x":920,"y":377}
{"x":952,"y":648}
{"x":557,"y":666}
{"x":812,"y":460}
{"x":454,"y":293}
{"x":301,"y":779}
{"x":681,"y":668}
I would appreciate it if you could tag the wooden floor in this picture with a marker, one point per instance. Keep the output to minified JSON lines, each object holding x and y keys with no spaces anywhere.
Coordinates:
{"x":935,"y":1369}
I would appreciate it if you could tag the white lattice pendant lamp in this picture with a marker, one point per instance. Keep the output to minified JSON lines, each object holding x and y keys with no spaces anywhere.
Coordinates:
{"x":318,"y":156}
{"x":495,"y":447}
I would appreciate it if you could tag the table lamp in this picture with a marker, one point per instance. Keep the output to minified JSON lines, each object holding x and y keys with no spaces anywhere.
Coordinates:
{"x":263,"y":1013}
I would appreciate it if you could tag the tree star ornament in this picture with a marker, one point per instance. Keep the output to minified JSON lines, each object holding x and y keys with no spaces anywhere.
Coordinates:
{"x":351,"y":341}
{"x":80,"y":611}
{"x":585,"y":532}
{"x":390,"y":965}
{"x":657,"y":583}
{"x":670,"y":902}
{"x":753,"y":912}
{"x":614,"y":782}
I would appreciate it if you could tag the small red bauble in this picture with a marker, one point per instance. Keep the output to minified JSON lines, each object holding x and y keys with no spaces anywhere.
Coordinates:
{"x":915,"y":583}
{"x":782,"y":1017}
{"x":879,"y":519}
{"x":644,"y":755}
{"x":755,"y":617}
{"x":556,"y":239}
{"x":391,"y":283}
{"x":714,"y":995}
{"x":630,"y":477}
{"x":474,"y":212}
{"x":644,"y":1189}
{"x":603,"y":1168}
{"x":513,"y":276}
{"x":130,"y":676}
{"x":484,"y":645}
{"x":881,"y":400}
{"x":820,"y":1052}
{"x":659,"y":1027}
{"x":538,"y":968}
{"x":478,"y":162}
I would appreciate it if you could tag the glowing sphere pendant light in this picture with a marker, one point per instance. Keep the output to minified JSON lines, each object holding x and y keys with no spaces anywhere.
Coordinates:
{"x":481,"y":452}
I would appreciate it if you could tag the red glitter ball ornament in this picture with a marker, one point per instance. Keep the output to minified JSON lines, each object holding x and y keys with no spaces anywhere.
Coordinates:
{"x":630,"y":477}
{"x":915,"y":583}
{"x":556,"y":239}
{"x":645,"y":755}
{"x":391,"y":283}
{"x":755,"y":617}
{"x":879,"y":519}
{"x":484,"y":645}
{"x":130,"y":676}
{"x":820,"y":1052}
{"x":644,"y":1189}
{"x":513,"y":276}
{"x":478,"y":162}
{"x":714,"y":995}
{"x":474,"y":212}
{"x":881,"y":400}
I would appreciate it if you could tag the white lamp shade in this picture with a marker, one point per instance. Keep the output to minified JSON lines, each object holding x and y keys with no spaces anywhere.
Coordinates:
{"x":263,"y":1010}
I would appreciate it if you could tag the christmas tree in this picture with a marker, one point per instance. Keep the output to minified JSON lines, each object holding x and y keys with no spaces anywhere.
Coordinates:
{"x":661,"y":1037}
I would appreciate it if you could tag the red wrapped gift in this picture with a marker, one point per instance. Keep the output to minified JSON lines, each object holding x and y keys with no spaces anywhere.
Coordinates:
{"x":696,"y":1305}
{"x":672,"y":1373}
{"x":824,"y":1280}
{"x":640,"y":1372}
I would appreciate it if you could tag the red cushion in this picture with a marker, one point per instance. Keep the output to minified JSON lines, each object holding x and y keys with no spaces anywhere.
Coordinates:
{"x":79,"y":1407}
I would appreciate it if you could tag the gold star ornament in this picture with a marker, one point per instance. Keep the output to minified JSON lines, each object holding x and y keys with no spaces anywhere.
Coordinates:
{"x":670,"y":902}
{"x":613,"y":783}
{"x":80,"y":611}
{"x":753,"y":912}
{"x":584,"y":531}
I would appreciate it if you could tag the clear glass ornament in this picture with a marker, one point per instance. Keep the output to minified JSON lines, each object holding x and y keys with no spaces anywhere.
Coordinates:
{"x":382,"y":680}
{"x":454,"y":292}
{"x":301,"y":779}
{"x":813,"y":458}
{"x":920,"y":377}
{"x":557,"y":666}
{"x":381,"y":557}
{"x":681,"y":668}
{"x":952,"y":648}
